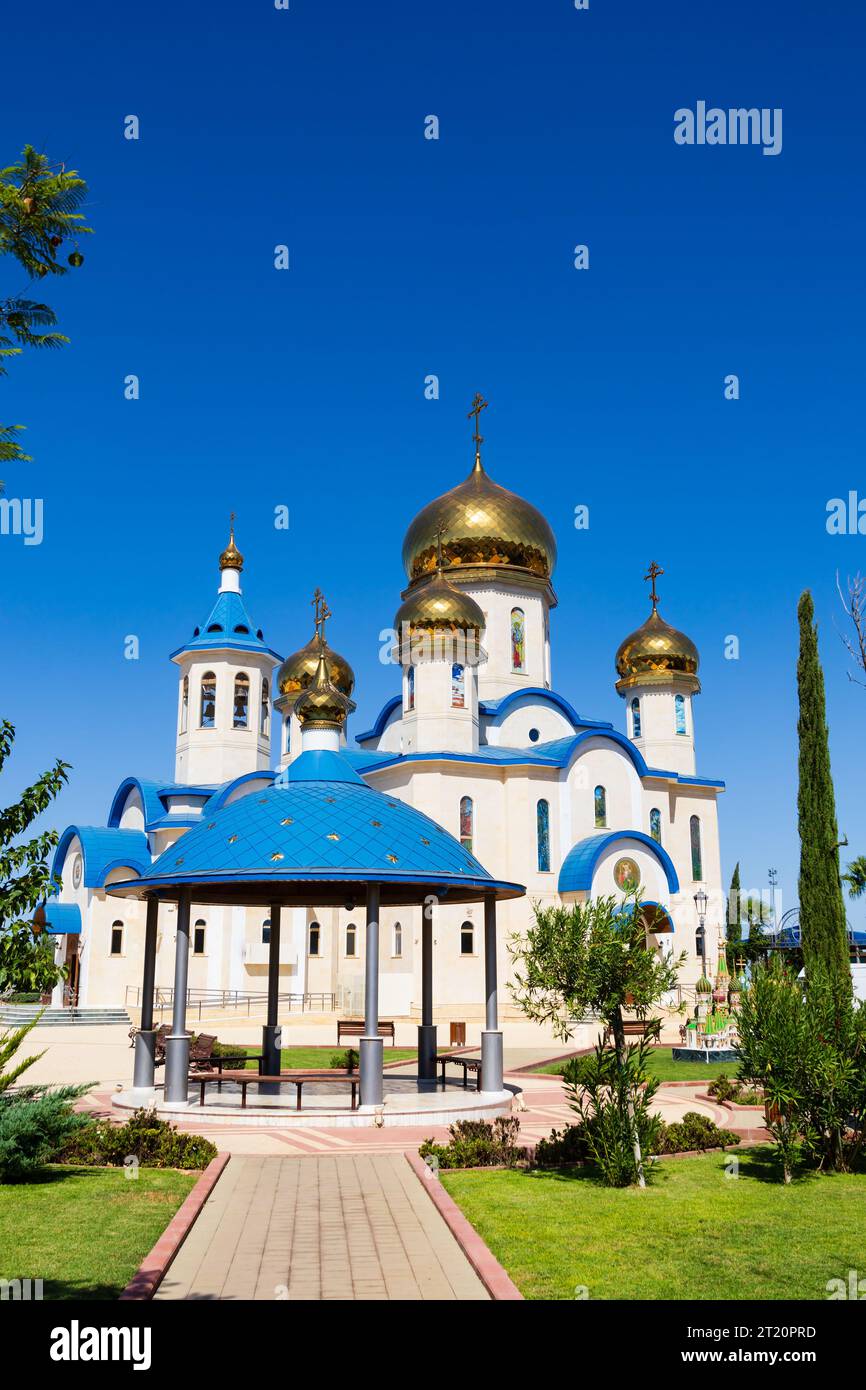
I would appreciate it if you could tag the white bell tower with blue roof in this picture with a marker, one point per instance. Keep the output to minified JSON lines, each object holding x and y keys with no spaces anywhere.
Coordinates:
{"x":225,"y":690}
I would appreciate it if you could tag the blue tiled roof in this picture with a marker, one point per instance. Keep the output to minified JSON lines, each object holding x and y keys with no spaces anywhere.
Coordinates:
{"x":578,"y":867}
{"x":319,"y":820}
{"x":229,"y":625}
{"x":62,"y":918}
{"x":103,"y":849}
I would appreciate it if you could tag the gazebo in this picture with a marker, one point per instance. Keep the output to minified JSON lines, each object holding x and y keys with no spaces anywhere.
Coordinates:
{"x":320,"y":836}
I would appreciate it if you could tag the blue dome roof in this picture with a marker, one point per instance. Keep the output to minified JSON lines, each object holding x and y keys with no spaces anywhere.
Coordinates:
{"x":229,"y":625}
{"x":319,"y":824}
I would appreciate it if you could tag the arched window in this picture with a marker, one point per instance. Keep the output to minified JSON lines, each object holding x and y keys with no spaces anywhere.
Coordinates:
{"x":635,"y":718}
{"x":467,"y":939}
{"x":351,"y":939}
{"x":410,"y":688}
{"x":656,"y":824}
{"x":117,"y":938}
{"x":695,"y":841}
{"x":518,"y":639}
{"x":398,"y":939}
{"x":198,"y":935}
{"x":184,"y":705}
{"x":241,"y":715}
{"x":458,"y":687}
{"x":315,"y":939}
{"x":680,"y":714}
{"x":542,"y":834}
{"x":288,"y":733}
{"x":467,"y":819}
{"x":600,"y":796}
{"x":208,"y":700}
{"x":266,"y":932}
{"x":265,"y":710}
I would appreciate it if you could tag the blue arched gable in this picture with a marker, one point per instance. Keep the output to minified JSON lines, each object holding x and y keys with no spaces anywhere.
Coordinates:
{"x":498,"y":708}
{"x":611,"y":735}
{"x":381,"y":719}
{"x":154,"y":809}
{"x":220,"y":797}
{"x":103,"y":849}
{"x":578,"y":867}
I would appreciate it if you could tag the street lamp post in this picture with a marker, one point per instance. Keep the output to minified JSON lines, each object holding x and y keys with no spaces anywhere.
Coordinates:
{"x":701,"y":905}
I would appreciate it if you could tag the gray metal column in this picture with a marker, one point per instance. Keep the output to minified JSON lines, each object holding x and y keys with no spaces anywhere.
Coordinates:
{"x":491,"y":1038}
{"x":271,"y":1032}
{"x":371,"y":1046}
{"x":145,"y":1039}
{"x":427,"y":1028}
{"x":177,"y":1043}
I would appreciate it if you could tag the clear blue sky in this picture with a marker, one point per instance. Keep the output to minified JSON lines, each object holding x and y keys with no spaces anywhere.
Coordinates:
{"x":452,"y":257}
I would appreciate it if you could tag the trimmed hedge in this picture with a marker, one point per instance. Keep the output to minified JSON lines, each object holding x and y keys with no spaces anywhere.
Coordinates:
{"x":151,"y":1142}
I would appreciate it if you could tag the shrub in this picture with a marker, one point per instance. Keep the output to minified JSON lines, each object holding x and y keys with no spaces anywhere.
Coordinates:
{"x":562,"y":1148}
{"x":344,"y":1061}
{"x":729,"y":1088}
{"x":34,"y":1124}
{"x":477,"y":1144}
{"x":694,"y":1131}
{"x":153,"y":1142}
{"x":611,"y":1098}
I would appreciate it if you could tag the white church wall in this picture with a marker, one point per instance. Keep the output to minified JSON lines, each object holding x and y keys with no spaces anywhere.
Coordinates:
{"x":513,"y":729}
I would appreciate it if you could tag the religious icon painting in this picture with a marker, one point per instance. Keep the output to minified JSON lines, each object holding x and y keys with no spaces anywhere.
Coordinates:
{"x":626,"y":875}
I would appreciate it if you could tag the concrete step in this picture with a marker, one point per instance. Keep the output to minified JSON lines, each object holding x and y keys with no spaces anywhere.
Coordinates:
{"x":16,"y":1015}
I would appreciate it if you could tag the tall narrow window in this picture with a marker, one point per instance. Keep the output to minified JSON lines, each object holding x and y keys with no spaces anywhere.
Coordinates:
{"x":288,"y":733}
{"x":635,"y":718}
{"x":410,"y":688}
{"x":467,"y":818}
{"x":398,"y":939}
{"x":208,"y":700}
{"x":198,"y":935}
{"x":265,"y":710}
{"x":458,"y":687}
{"x":680,"y":714}
{"x":695,"y":840}
{"x":600,"y":796}
{"x":240,"y":718}
{"x":351,"y":939}
{"x":542,"y":833}
{"x":117,"y":938}
{"x":656,"y":824}
{"x":467,"y":939}
{"x":315,"y":938}
{"x":266,"y":932}
{"x":184,"y":705}
{"x":518,"y":639}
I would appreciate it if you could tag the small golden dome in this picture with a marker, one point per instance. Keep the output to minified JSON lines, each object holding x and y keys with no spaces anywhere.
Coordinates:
{"x":322,"y":705}
{"x":481,"y":524}
{"x":298,"y":670}
{"x":435,"y":604}
{"x":656,"y":654}
{"x":231,"y":558}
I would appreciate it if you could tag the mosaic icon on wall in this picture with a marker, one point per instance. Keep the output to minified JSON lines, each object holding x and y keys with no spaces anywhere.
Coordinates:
{"x":626,"y":875}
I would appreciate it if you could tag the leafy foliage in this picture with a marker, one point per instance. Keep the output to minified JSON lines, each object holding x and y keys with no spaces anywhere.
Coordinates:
{"x":152,"y":1142}
{"x":611,"y":1096}
{"x":856,"y":876}
{"x":477,"y":1144}
{"x":694,"y":1132}
{"x":34,"y":1121}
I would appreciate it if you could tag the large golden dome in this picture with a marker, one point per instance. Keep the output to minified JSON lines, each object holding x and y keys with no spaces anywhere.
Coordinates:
{"x":299,"y":670}
{"x":657,"y":654}
{"x":482,"y":525}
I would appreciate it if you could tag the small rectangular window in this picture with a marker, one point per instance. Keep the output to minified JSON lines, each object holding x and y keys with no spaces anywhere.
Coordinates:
{"x":315,"y":938}
{"x":117,"y":941}
{"x":198,"y":939}
{"x":266,"y":932}
{"x":467,"y":939}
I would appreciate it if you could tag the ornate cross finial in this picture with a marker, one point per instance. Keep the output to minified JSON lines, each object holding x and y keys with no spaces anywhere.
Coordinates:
{"x":232,"y":519}
{"x":478,"y":405}
{"x":322,"y":612}
{"x":653,"y":573}
{"x":439,"y":531}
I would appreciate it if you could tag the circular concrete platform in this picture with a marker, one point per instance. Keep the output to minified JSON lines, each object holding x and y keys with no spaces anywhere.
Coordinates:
{"x":404,"y":1104}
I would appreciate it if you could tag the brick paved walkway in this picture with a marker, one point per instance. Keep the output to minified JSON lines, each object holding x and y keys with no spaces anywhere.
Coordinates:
{"x":357,"y":1225}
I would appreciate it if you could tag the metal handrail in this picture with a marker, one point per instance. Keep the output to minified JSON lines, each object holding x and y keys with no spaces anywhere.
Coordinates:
{"x":204,"y":999}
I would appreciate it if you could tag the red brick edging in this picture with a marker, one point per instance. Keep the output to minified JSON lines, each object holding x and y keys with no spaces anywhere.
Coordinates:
{"x":485,"y":1264}
{"x":152,"y":1270}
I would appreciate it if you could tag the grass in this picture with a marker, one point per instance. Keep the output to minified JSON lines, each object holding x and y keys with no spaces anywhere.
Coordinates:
{"x":663,"y":1066}
{"x":693,"y":1233}
{"x":310,"y":1058}
{"x":85,"y":1231}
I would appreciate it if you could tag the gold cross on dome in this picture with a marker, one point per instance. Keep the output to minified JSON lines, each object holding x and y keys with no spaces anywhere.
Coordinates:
{"x":653,"y":573}
{"x":478,"y":405}
{"x":440,"y":529}
{"x":322,"y":612}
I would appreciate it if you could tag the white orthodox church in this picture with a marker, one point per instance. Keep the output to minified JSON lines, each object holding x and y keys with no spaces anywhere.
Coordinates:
{"x":476,"y":736}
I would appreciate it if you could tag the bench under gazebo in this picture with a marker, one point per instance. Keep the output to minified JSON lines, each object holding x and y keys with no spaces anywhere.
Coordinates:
{"x":320,"y":836}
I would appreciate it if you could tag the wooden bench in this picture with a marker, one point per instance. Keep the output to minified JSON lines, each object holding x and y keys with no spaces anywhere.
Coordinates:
{"x":357,"y":1028}
{"x":469,"y":1064}
{"x":244,"y":1079}
{"x":639,"y":1028}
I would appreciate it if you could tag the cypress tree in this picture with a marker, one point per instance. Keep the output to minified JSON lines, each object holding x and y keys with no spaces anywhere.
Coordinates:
{"x":822,"y":907}
{"x":733,"y":929}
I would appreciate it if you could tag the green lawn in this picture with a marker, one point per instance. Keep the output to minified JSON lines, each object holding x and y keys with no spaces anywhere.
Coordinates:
{"x":85,"y":1231}
{"x":308,"y":1058}
{"x":662,"y":1065}
{"x":693,"y":1233}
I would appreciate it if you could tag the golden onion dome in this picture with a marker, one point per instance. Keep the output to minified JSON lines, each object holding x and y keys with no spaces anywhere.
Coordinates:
{"x":298,"y":670}
{"x":481,"y":524}
{"x":434,"y":604}
{"x":657,"y":654}
{"x":231,"y":558}
{"x":322,"y":705}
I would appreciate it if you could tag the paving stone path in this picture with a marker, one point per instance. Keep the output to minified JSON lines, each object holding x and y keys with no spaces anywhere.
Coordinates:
{"x":353,"y":1226}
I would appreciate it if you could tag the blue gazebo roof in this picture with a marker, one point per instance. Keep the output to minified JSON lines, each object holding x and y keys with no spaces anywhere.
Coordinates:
{"x":312,"y":835}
